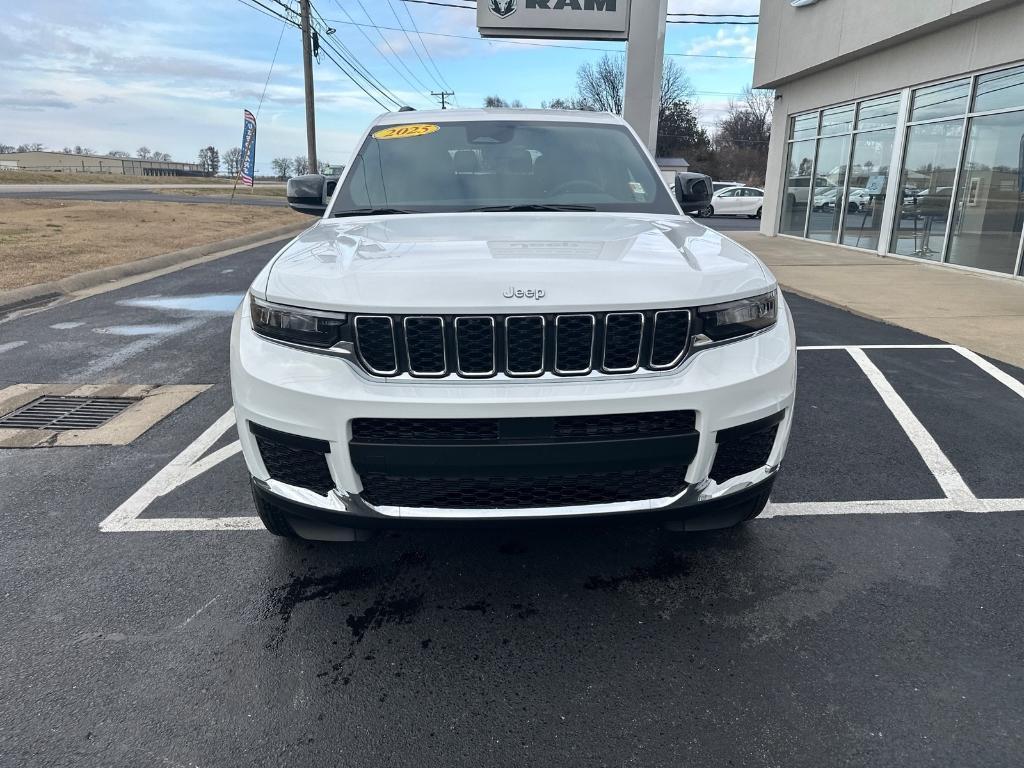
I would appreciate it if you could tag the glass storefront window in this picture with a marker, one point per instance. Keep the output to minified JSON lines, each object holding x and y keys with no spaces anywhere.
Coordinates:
{"x":865,"y":194}
{"x":878,"y":113}
{"x":798,"y":187}
{"x":804,"y":126}
{"x":1000,"y":90}
{"x":929,"y":174}
{"x":837,"y":120}
{"x":989,"y":211}
{"x":943,"y":100}
{"x":829,"y":178}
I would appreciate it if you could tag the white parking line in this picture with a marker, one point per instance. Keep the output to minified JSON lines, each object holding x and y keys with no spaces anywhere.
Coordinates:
{"x":941,"y":467}
{"x":191,"y":463}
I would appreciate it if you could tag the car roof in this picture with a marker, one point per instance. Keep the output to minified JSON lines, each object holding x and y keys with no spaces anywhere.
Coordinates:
{"x":520,"y":115}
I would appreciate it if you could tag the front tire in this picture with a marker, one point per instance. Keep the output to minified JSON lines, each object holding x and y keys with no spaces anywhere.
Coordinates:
{"x":706,"y":212}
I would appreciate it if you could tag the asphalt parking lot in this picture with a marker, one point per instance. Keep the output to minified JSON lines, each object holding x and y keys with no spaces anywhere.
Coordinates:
{"x":871,"y":618}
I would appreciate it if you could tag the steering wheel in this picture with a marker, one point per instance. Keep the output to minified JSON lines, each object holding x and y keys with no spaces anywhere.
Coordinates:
{"x":580,"y":185}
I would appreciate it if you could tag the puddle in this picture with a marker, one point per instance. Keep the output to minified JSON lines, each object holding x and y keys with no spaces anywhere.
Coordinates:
{"x":223,"y":303}
{"x":65,"y":326}
{"x":143,"y":330}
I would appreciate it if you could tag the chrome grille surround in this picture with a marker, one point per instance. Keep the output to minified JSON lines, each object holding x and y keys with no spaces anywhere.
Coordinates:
{"x":563,"y":345}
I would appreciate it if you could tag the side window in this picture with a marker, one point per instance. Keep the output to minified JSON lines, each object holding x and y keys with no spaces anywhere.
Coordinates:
{"x":755,"y":193}
{"x":728,"y":193}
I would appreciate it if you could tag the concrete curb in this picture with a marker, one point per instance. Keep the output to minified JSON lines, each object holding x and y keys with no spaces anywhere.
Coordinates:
{"x":30,"y":295}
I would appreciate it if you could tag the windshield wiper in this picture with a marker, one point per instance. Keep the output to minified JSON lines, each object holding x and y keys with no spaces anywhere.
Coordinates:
{"x":532,"y":207}
{"x":371,"y":212}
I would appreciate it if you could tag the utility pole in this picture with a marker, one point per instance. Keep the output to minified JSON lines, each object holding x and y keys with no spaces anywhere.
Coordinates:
{"x":307,"y":71}
{"x":443,"y":95}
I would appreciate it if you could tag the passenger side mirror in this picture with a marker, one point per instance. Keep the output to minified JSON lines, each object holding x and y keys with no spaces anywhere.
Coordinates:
{"x":693,"y":191}
{"x":308,"y":194}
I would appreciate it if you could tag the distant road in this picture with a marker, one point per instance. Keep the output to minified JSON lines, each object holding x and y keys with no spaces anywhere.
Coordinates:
{"x":115,"y":193}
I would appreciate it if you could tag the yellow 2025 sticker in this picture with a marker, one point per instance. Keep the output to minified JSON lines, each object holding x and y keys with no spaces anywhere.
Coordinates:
{"x":406,"y":131}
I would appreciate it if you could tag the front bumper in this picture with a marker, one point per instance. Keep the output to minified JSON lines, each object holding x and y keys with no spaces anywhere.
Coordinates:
{"x":317,"y":397}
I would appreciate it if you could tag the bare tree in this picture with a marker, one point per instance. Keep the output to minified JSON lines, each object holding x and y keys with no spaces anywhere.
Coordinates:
{"x":496,"y":102}
{"x":300,"y":165}
{"x":143,"y":153}
{"x":602,"y":85}
{"x":209,"y":160}
{"x":282,"y":167}
{"x":32,"y":147}
{"x":5,"y":148}
{"x":118,"y":153}
{"x":233,"y":161}
{"x":161,"y":156}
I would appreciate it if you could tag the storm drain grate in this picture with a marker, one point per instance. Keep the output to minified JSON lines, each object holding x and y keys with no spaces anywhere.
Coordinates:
{"x":61,"y":413}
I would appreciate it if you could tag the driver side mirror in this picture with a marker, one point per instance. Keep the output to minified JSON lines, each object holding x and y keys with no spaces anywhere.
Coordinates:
{"x":309,"y":194}
{"x":693,"y":191}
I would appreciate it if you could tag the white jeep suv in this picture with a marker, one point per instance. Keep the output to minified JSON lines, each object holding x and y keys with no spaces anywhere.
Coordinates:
{"x":503,"y":315}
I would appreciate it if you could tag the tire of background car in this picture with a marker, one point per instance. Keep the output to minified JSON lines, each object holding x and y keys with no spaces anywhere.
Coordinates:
{"x":706,"y":211}
{"x":852,"y":207}
{"x":755,"y":215}
{"x":272,"y":517}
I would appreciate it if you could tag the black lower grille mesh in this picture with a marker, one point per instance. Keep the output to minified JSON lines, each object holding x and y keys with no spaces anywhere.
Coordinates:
{"x":626,"y":424}
{"x":524,"y":492}
{"x":598,"y":426}
{"x":743,"y":454}
{"x":293,"y":465}
{"x":423,"y":430}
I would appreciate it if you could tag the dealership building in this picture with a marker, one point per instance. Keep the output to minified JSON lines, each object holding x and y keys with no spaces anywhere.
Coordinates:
{"x":62,"y":162}
{"x":899,"y":127}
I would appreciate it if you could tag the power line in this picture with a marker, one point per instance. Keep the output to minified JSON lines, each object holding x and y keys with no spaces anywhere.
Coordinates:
{"x":390,"y":48}
{"x":539,"y":45}
{"x":719,"y":15}
{"x":270,"y":12}
{"x":733,"y":23}
{"x":412,"y":45}
{"x":326,"y":37}
{"x":383,"y":106}
{"x":359,"y":26}
{"x":426,"y":50}
{"x":670,"y":21}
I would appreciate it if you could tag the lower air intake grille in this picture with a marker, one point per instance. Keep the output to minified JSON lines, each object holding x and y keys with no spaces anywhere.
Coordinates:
{"x":740,"y":455}
{"x":524,"y":492}
{"x":294,"y":460}
{"x":65,"y":413}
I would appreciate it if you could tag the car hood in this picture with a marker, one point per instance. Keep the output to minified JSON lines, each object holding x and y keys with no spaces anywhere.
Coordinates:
{"x":484,"y":262}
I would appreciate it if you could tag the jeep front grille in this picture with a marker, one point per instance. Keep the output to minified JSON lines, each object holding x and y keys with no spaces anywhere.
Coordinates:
{"x":480,"y":346}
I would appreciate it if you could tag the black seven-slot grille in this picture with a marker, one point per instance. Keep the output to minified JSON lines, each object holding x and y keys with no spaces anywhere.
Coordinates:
{"x":517,"y":463}
{"x":480,"y":346}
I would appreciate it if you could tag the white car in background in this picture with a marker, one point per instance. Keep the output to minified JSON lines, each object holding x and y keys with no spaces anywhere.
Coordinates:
{"x":735,"y":201}
{"x":505,"y":315}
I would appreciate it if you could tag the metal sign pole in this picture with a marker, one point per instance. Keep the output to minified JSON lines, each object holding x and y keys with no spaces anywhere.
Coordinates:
{"x":645,"y":54}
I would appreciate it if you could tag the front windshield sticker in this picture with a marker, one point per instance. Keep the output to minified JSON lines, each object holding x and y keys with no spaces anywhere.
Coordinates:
{"x":406,"y":131}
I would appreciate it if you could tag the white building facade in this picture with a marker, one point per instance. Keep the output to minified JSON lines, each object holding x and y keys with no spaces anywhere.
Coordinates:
{"x":899,"y":127}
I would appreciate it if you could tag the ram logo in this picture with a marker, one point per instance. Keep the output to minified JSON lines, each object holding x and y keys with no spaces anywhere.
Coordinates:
{"x":503,"y":8}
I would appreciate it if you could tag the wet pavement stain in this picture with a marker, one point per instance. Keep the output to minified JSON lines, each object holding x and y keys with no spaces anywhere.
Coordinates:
{"x":304,"y":589}
{"x":399,"y":610}
{"x":668,"y":565}
{"x":155,"y":329}
{"x":221,"y":303}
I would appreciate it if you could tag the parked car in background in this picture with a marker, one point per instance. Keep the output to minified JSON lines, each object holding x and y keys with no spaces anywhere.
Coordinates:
{"x":859,"y":199}
{"x":719,"y":185}
{"x":735,"y":201}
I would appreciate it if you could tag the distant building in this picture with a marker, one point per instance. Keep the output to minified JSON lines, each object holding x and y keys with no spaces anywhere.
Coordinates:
{"x":60,"y":162}
{"x":899,"y":127}
{"x":669,"y":167}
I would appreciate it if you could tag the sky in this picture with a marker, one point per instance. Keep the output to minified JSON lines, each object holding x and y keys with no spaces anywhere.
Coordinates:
{"x":175,"y":75}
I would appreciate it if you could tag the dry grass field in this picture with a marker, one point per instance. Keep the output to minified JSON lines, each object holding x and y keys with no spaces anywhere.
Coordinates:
{"x":42,"y":240}
{"x":49,"y":177}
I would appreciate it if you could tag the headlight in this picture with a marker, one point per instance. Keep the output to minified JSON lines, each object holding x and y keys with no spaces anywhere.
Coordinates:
{"x":310,"y":327}
{"x":735,"y":319}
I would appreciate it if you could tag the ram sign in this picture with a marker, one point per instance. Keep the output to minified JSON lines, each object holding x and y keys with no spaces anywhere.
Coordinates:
{"x":570,"y":19}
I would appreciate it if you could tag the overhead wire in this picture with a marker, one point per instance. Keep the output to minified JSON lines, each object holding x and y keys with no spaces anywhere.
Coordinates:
{"x":412,"y":45}
{"x":426,"y":50}
{"x":426,"y":88}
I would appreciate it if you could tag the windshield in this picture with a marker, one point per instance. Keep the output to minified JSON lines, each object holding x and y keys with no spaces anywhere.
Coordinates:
{"x":502,"y":164}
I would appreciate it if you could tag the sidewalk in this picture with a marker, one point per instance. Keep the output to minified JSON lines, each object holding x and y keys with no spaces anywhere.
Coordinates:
{"x":983,"y":313}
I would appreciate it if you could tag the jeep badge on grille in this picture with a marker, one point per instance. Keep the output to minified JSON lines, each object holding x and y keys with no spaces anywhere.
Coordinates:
{"x":524,"y":293}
